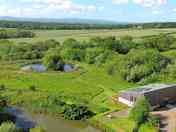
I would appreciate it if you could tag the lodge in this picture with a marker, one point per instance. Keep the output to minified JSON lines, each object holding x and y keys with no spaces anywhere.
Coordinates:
{"x":157,"y":94}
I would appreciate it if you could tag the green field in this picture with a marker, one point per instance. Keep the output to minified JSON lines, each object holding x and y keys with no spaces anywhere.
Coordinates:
{"x":61,"y":35}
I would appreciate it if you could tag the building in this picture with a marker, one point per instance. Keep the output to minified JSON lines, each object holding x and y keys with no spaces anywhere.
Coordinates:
{"x":157,"y":95}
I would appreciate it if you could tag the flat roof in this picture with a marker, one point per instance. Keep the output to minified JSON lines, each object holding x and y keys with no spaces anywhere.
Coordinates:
{"x":149,"y":88}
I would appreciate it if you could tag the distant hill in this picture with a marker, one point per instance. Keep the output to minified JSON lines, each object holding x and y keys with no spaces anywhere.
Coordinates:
{"x":63,"y":20}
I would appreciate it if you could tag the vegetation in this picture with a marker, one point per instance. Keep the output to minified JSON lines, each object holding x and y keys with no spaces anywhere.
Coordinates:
{"x":55,"y":25}
{"x":138,"y":64}
{"x":104,"y":66}
{"x":75,"y":112}
{"x":7,"y":34}
{"x":140,"y":112}
{"x":8,"y":127}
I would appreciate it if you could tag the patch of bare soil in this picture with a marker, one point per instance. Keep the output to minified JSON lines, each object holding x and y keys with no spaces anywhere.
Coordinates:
{"x":168,"y":120}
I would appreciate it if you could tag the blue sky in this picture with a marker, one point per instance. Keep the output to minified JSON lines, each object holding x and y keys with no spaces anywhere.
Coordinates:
{"x":117,"y":10}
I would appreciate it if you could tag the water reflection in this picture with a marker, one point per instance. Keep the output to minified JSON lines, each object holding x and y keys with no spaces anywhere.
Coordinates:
{"x":26,"y":120}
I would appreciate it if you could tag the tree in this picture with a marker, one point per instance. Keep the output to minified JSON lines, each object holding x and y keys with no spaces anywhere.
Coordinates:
{"x":138,"y":64}
{"x":71,"y":43}
{"x":92,"y":53}
{"x":140,"y":112}
{"x":160,"y":42}
{"x":53,"y":60}
{"x":73,"y":54}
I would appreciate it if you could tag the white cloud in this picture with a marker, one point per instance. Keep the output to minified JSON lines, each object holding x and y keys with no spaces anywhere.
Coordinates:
{"x":43,"y":8}
{"x":120,"y":2}
{"x":150,"y":3}
{"x":156,"y":12}
{"x":145,"y":3}
{"x":174,"y":9}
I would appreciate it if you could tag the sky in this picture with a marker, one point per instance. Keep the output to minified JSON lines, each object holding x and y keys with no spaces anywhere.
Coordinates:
{"x":115,"y":10}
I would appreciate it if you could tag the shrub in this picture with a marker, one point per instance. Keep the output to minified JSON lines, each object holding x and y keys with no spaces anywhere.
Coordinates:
{"x":76,"y":112}
{"x":140,"y":112}
{"x":147,"y":127}
{"x":2,"y":87}
{"x":32,"y":88}
{"x":8,"y":127}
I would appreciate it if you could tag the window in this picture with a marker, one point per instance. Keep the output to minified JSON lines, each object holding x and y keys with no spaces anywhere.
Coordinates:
{"x":131,"y":98}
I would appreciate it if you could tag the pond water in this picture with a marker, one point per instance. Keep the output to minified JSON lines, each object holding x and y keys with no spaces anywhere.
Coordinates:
{"x":42,"y":68}
{"x":34,"y":67}
{"x":26,"y":120}
{"x":68,"y":68}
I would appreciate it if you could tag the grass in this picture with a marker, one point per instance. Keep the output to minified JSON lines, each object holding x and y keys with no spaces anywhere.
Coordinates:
{"x":113,"y":124}
{"x":94,"y":87}
{"x":61,"y":35}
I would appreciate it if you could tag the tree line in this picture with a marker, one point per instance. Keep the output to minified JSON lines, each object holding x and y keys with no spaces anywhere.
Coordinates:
{"x":15,"y":33}
{"x":142,"y":61}
{"x":74,"y":26}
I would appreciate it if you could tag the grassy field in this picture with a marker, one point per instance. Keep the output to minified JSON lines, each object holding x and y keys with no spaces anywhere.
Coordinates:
{"x":61,"y":35}
{"x":91,"y":85}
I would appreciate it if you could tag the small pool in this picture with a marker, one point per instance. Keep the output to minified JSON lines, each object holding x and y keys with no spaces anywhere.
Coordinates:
{"x":68,"y":68}
{"x":34,"y":67}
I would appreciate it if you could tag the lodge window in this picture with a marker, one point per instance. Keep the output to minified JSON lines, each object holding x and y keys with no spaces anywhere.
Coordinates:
{"x":131,"y":98}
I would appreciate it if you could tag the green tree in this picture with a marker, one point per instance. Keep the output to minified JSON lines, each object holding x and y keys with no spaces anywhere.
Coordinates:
{"x":140,"y":112}
{"x":53,"y":60}
{"x":73,"y":54}
{"x":138,"y":64}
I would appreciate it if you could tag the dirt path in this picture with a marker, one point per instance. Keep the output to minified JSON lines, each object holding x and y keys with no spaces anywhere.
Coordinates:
{"x":168,"y":120}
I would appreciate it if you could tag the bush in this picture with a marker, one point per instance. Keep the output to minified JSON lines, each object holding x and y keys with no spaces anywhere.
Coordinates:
{"x":147,"y":127}
{"x":2,"y":87}
{"x":77,"y":112}
{"x":8,"y":127}
{"x":140,"y":112}
{"x":32,"y":88}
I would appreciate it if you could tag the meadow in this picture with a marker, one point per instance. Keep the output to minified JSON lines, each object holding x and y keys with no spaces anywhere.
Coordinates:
{"x":61,"y":35}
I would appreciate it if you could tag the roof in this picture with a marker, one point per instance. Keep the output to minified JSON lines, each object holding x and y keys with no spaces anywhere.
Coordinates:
{"x":149,"y":88}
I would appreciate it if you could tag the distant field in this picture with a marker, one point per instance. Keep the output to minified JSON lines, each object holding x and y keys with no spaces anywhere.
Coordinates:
{"x":61,"y":35}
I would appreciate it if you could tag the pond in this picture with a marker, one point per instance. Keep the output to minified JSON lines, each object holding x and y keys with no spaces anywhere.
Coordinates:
{"x":26,"y":120}
{"x":42,"y":68}
{"x":34,"y":67}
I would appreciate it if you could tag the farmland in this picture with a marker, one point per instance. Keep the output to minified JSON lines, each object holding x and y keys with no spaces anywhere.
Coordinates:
{"x":61,"y":35}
